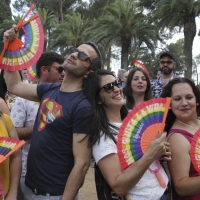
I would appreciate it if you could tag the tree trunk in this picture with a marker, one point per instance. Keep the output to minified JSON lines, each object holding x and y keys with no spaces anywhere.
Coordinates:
{"x":61,"y":11}
{"x":125,"y":42}
{"x":189,"y":34}
{"x":108,"y":59}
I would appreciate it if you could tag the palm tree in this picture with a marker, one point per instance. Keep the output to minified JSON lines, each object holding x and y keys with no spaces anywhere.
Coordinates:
{"x":181,"y":14}
{"x":48,"y":20}
{"x":124,"y":22}
{"x":74,"y":31}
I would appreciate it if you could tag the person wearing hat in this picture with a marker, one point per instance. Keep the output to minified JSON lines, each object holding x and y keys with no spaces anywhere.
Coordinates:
{"x":167,"y":64}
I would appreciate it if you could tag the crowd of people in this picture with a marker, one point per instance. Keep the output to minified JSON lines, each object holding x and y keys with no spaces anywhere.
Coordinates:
{"x":76,"y":110}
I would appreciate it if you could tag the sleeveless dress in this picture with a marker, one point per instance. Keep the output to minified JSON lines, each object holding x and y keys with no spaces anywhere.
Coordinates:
{"x":192,"y":172}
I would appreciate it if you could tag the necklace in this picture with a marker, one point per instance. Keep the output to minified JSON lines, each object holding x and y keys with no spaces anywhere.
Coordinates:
{"x":195,"y":127}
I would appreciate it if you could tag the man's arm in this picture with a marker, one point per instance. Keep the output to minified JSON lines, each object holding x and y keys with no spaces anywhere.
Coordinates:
{"x":24,"y":133}
{"x":81,"y":164}
{"x":17,"y":87}
{"x":13,"y":80}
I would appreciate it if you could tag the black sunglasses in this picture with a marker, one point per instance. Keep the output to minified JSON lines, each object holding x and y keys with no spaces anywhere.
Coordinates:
{"x":81,"y":55}
{"x":169,"y":62}
{"x":110,"y":86}
{"x":60,"y":69}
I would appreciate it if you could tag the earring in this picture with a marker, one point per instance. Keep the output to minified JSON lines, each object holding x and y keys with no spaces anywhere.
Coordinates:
{"x":197,"y":104}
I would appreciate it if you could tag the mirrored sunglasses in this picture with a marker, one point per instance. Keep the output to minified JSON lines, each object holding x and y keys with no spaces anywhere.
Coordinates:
{"x":169,"y":62}
{"x":110,"y":86}
{"x":60,"y":69}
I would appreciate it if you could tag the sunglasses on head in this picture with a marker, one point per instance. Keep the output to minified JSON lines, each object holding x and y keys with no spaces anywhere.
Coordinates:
{"x":110,"y":86}
{"x":60,"y":69}
{"x":169,"y":62}
{"x":81,"y":55}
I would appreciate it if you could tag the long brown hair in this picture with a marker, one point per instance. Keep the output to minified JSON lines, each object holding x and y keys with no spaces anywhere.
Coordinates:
{"x":130,"y":101}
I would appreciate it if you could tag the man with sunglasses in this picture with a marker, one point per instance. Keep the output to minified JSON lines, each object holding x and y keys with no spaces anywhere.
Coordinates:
{"x":167,"y":64}
{"x":23,"y":114}
{"x":59,"y":155}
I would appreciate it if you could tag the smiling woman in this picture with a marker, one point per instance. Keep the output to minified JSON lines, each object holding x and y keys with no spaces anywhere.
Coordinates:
{"x":181,"y":124}
{"x":111,"y":181}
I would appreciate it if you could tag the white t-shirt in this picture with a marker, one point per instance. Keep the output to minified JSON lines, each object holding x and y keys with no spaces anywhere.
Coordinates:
{"x":23,"y":114}
{"x":148,"y":187}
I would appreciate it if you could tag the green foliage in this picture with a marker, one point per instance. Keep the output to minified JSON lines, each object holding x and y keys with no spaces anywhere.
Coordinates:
{"x":181,"y":14}
{"x":123,"y":23}
{"x":5,"y":13}
{"x":58,"y":7}
{"x":49,"y":21}
{"x":74,"y":31}
{"x":178,"y":50}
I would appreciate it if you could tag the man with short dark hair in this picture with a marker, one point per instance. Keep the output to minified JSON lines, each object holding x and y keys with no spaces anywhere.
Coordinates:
{"x":23,"y":113}
{"x":167,"y":64}
{"x":59,"y":155}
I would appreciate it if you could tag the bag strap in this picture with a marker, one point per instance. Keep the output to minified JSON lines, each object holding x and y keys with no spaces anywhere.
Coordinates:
{"x":4,"y":122}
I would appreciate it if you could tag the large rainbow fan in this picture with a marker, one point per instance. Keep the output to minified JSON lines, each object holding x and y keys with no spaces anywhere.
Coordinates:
{"x":18,"y":55}
{"x":138,"y":64}
{"x":8,"y":146}
{"x":31,"y":71}
{"x":195,"y":151}
{"x":139,"y":128}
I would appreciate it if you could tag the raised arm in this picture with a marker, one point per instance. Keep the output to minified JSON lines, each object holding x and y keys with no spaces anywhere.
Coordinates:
{"x":13,"y":80}
{"x":19,"y":88}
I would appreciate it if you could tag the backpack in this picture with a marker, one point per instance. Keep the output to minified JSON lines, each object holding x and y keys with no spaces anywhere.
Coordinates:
{"x":104,"y":191}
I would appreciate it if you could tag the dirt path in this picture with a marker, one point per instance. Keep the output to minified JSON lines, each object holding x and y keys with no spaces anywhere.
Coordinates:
{"x":88,"y":191}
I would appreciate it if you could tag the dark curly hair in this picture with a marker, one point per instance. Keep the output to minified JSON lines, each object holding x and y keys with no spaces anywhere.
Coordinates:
{"x":167,"y":92}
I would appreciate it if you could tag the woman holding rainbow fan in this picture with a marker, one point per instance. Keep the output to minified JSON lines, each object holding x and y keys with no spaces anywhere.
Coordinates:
{"x":137,"y":182}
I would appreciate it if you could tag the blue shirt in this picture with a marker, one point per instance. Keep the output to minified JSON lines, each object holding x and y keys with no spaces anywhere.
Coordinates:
{"x":50,"y":158}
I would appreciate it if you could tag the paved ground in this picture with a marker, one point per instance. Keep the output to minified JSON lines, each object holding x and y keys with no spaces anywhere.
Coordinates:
{"x":88,"y":191}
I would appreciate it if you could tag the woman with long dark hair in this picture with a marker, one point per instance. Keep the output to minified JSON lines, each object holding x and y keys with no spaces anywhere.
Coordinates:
{"x":137,"y":182}
{"x":138,"y":88}
{"x":181,"y":124}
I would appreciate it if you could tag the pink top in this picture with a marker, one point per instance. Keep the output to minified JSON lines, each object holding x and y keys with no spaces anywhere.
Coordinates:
{"x":192,"y":172}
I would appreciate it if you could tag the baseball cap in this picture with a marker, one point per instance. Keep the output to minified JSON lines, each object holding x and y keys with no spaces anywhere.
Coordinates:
{"x":167,"y":53}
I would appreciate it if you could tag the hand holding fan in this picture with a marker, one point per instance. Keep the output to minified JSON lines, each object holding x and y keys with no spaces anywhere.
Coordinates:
{"x":139,"y":128}
{"x":18,"y":55}
{"x":8,"y":146}
{"x":195,"y":151}
{"x":138,"y":64}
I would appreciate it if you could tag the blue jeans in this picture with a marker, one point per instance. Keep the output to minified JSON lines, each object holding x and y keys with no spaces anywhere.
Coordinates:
{"x":29,"y":195}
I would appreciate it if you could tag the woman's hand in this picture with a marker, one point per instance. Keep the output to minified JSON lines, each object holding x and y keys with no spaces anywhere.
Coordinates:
{"x":168,"y":154}
{"x":158,"y":148}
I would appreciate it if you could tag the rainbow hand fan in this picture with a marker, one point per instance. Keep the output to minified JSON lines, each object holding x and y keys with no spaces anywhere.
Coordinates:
{"x":195,"y":151}
{"x":139,"y":128}
{"x":18,"y":55}
{"x":8,"y":146}
{"x":31,"y":71}
{"x":138,"y":64}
